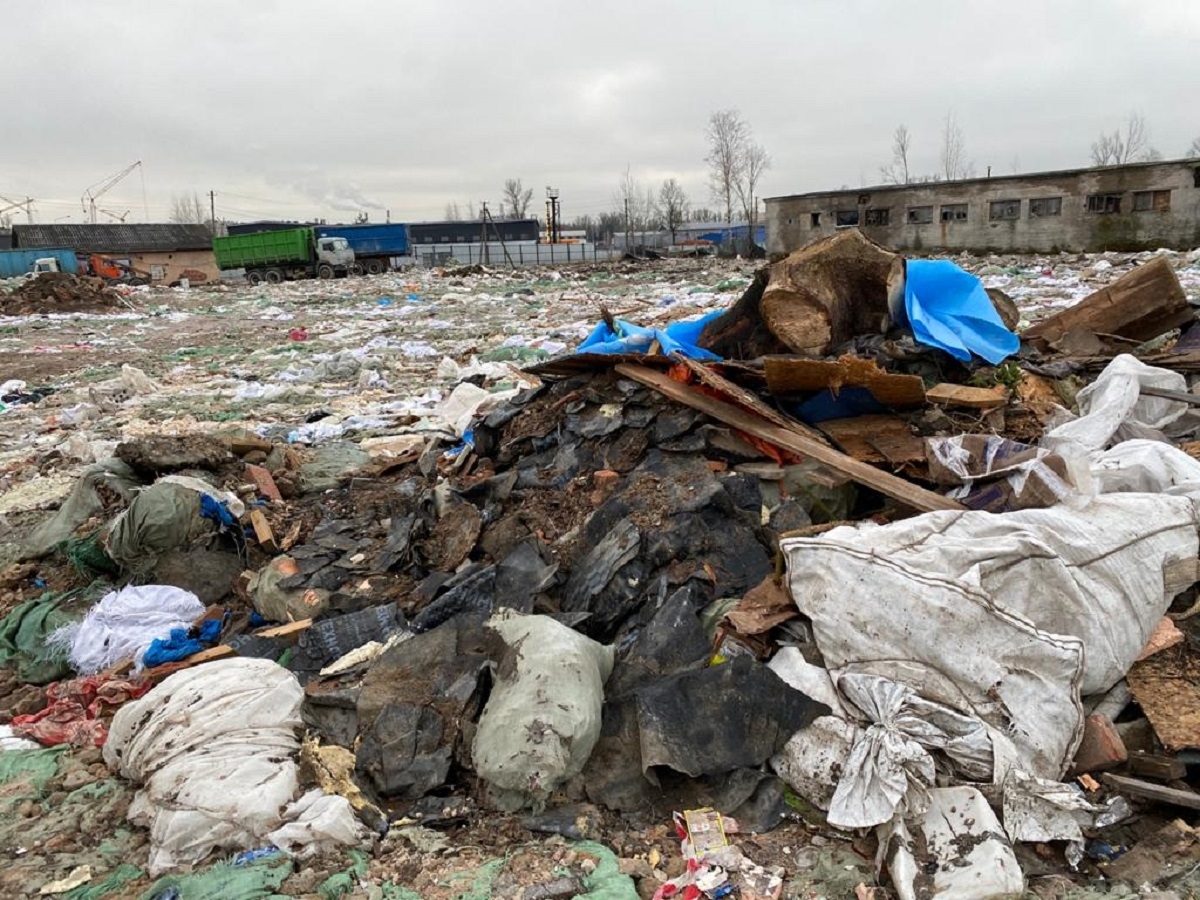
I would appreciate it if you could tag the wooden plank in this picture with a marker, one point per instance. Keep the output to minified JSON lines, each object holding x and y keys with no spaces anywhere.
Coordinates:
{"x":876,"y":439}
{"x":793,"y":375}
{"x":1140,"y":305}
{"x":262,"y":530}
{"x":970,"y":397}
{"x":1147,"y":791}
{"x":1181,"y":396}
{"x":792,"y":439}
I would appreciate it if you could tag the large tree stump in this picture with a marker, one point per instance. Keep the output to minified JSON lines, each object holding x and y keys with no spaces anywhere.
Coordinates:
{"x":822,"y":295}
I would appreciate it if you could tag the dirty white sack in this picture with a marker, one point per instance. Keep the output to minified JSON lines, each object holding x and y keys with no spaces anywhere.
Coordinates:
{"x":966,"y":855}
{"x":124,"y":623}
{"x":1112,"y":408}
{"x":543,"y":717}
{"x":213,"y":749}
{"x":316,"y":823}
{"x":987,"y":616}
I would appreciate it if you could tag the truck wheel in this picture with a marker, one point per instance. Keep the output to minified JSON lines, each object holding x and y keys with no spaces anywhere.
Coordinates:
{"x":325,"y":271}
{"x":274,"y":276}
{"x":254,"y":276}
{"x":354,"y":269}
{"x":374,"y":267}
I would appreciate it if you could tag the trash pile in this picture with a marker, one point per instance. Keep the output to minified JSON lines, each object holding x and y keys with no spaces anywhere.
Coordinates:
{"x":847,"y":562}
{"x":59,"y":292}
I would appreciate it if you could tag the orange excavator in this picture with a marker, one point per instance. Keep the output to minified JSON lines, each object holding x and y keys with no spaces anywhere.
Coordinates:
{"x":116,"y":270}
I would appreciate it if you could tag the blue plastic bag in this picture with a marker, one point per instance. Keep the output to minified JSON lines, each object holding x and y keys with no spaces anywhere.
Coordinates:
{"x":678,"y":337}
{"x":949,"y":309}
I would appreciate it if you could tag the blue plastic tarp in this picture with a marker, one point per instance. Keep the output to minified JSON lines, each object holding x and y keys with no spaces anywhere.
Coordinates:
{"x":678,"y":337}
{"x":948,"y":308}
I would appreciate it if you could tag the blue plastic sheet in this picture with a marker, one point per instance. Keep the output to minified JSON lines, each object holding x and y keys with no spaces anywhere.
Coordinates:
{"x":949,"y":309}
{"x":179,"y":646}
{"x":678,"y":337}
{"x":216,"y":510}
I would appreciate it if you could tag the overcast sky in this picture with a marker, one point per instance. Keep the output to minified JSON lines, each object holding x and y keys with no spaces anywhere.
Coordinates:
{"x":296,"y":108}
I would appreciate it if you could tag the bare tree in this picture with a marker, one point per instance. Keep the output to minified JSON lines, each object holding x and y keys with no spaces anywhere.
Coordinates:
{"x":187,"y":210}
{"x":452,"y":212}
{"x":471,"y":210}
{"x":954,"y":151}
{"x":1194,"y":150}
{"x":897,"y":172}
{"x":727,"y":138}
{"x":673,"y":205}
{"x":516,"y":197}
{"x":755,"y":162}
{"x":1126,"y":144}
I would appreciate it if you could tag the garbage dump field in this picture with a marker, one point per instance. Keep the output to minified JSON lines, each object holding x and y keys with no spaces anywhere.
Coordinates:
{"x":841,"y":576}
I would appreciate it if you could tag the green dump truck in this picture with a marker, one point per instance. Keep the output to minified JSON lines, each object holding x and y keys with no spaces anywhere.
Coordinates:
{"x":285,"y":255}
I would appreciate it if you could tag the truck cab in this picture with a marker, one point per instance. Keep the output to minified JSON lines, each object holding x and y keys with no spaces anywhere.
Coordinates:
{"x":335,"y":253}
{"x":45,"y":264}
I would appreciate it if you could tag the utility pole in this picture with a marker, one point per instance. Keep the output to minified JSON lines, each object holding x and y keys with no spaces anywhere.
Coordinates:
{"x":553,"y":215}
{"x":212,"y":212}
{"x":483,"y":216}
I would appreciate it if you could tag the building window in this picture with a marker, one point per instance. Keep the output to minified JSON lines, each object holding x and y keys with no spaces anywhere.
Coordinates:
{"x":157,"y":272}
{"x":954,"y":212}
{"x":844,"y":218}
{"x":1104,"y":203}
{"x":920,"y":215}
{"x":814,"y":220}
{"x":1196,"y":177}
{"x":1045,"y":206}
{"x":1151,"y":201}
{"x":1004,"y":209}
{"x":879,"y":216}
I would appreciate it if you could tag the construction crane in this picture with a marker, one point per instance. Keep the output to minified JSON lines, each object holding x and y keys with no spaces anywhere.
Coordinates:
{"x":116,"y":217}
{"x":14,"y":204}
{"x":100,"y":188}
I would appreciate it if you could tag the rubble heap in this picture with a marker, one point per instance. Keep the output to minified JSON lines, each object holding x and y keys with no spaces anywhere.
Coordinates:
{"x":836,"y":554}
{"x":59,"y":292}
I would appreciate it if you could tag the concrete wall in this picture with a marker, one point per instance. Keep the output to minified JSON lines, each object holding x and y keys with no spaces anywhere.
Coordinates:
{"x":791,"y":224}
{"x":171,"y":266}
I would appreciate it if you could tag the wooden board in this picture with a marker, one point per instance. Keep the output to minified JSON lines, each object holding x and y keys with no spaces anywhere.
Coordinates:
{"x":1142,"y":304}
{"x":1137,"y":788}
{"x":792,"y":439}
{"x":262,"y":530}
{"x":876,"y":439}
{"x":793,"y":375}
{"x":970,"y":397}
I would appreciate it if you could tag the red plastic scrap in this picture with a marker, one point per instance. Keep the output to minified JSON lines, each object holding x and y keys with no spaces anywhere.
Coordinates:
{"x":75,"y":710}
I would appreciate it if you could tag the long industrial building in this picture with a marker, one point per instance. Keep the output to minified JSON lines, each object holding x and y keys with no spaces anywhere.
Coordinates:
{"x":1130,"y":207}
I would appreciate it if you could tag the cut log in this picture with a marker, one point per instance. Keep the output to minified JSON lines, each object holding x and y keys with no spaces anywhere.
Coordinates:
{"x":1140,"y":305}
{"x":970,"y":397}
{"x":911,"y":495}
{"x":790,"y":375}
{"x":832,"y":290}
